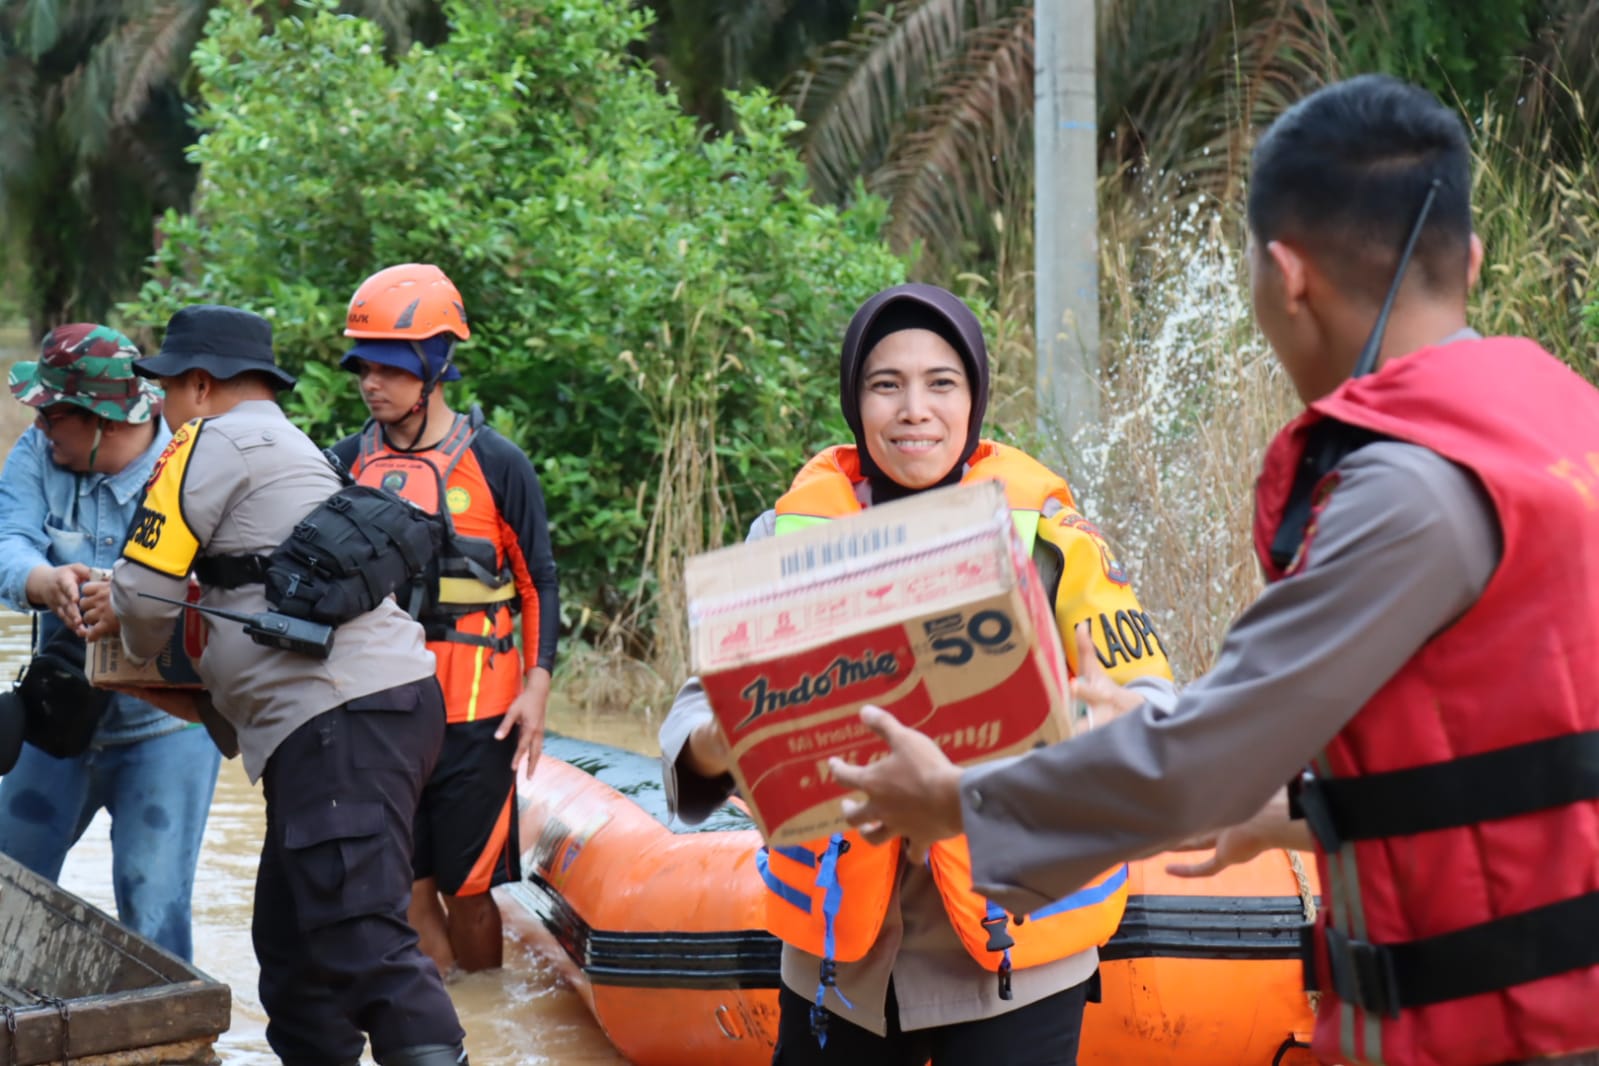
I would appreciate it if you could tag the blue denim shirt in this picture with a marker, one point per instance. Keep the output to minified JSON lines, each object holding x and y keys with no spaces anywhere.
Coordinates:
{"x":50,"y":516}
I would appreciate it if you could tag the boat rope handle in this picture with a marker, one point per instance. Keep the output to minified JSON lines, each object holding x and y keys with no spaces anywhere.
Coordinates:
{"x":65,"y":1011}
{"x":1307,"y":901}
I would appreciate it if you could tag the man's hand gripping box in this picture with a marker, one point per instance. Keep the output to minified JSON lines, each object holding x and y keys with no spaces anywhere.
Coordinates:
{"x":110,"y":667}
{"x":929,"y":607}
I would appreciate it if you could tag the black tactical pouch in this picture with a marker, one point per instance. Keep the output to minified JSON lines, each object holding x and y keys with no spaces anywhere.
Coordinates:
{"x":61,"y":710}
{"x":359,"y":546}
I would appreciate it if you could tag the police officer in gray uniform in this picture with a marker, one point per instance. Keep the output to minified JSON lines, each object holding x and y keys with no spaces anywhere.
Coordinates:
{"x":342,"y":745}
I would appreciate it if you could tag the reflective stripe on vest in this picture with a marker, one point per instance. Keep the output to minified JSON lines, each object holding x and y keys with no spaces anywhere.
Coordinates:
{"x":471,"y":591}
{"x":824,"y":490}
{"x":790,"y":894}
{"x":1086,"y":896}
{"x":1084,"y":919}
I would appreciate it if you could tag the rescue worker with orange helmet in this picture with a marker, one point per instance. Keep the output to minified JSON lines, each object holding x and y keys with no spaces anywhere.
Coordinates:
{"x":1423,"y":664}
{"x":887,"y":957}
{"x":496,"y":565}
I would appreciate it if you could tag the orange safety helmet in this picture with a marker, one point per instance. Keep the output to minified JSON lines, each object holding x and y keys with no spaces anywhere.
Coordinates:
{"x":412,"y":301}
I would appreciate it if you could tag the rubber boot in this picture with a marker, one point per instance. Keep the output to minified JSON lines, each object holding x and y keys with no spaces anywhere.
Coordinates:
{"x":425,"y":1055}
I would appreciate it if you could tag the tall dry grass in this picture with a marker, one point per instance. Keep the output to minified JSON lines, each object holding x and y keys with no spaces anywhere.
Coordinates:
{"x":642,"y":653}
{"x":1537,"y":212}
{"x":1189,"y":398}
{"x":1004,"y":301}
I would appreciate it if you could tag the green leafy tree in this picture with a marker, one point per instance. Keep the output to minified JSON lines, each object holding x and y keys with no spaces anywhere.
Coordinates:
{"x":654,"y":314}
{"x":1462,"y":50}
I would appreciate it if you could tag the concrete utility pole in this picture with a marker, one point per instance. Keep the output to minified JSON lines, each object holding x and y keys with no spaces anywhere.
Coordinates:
{"x":1065,"y":218}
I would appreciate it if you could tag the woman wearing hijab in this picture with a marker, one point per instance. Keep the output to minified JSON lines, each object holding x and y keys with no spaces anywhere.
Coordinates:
{"x":887,"y":960}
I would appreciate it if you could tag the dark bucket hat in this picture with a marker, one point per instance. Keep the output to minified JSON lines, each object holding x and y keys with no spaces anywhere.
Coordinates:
{"x":223,"y":341}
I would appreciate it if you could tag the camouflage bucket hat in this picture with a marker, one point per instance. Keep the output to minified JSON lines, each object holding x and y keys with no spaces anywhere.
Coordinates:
{"x":91,"y":367}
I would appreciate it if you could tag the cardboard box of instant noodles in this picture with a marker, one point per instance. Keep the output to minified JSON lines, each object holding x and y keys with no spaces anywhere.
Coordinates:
{"x":108,"y":665}
{"x":928,"y":607}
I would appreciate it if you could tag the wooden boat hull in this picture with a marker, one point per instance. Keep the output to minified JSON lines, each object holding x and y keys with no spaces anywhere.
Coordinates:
{"x":660,"y":928}
{"x":75,"y":985}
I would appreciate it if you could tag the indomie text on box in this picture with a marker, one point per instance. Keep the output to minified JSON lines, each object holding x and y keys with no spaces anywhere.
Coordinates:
{"x":928,"y":607}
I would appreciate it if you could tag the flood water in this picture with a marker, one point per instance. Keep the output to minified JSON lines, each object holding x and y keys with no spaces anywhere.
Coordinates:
{"x":520,"y":1016}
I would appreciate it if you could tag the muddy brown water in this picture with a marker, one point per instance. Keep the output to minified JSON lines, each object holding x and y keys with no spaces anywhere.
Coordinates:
{"x":522,"y":1015}
{"x":15,"y":344}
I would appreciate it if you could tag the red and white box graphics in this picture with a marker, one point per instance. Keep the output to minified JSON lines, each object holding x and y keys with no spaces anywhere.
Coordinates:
{"x":928,"y":607}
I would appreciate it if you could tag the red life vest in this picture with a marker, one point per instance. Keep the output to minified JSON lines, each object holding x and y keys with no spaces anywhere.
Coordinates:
{"x":1457,"y":814}
{"x":829,"y":899}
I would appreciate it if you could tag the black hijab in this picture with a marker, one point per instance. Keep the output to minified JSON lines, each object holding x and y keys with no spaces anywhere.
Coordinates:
{"x":912,"y":306}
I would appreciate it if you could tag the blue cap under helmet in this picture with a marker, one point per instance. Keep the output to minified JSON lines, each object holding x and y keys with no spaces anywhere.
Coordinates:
{"x":402,"y":355}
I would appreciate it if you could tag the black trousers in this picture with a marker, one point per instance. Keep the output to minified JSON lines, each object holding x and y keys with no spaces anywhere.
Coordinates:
{"x":1044,"y":1033}
{"x":338,"y":957}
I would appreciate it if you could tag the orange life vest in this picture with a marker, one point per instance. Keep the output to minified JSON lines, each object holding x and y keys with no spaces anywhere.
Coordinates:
{"x":829,"y":898}
{"x":471,"y":607}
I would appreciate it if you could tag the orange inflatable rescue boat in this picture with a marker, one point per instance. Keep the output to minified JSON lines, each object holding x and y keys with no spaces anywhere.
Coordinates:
{"x":659,"y":926}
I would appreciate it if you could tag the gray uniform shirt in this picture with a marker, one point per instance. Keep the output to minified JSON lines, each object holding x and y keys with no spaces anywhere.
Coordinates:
{"x":936,"y":981}
{"x":250,"y":478}
{"x":1404,"y":545}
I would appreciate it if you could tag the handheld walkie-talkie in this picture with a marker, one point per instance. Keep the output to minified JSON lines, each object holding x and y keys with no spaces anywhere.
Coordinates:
{"x":270,"y":628}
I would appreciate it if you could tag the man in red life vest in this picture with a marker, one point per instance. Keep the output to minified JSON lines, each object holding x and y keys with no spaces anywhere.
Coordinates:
{"x":1425,"y":657}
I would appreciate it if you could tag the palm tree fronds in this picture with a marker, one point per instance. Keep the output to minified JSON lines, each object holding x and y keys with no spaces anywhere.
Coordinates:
{"x":856,"y":90}
{"x":932,"y":103}
{"x":41,"y":26}
{"x":19,"y":117}
{"x":92,"y":133}
{"x":963,"y":150}
{"x":1180,"y":102}
{"x":82,"y":100}
{"x":152,"y":51}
